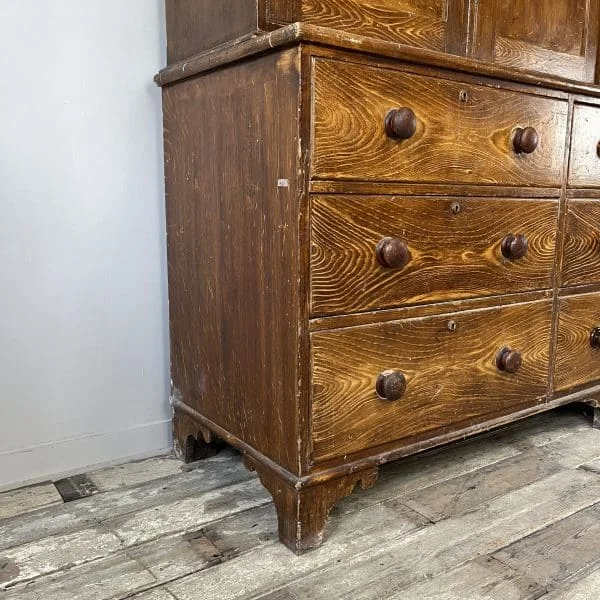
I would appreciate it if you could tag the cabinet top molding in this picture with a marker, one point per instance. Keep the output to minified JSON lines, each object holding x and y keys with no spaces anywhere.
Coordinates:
{"x":556,"y":38}
{"x":323,"y":36}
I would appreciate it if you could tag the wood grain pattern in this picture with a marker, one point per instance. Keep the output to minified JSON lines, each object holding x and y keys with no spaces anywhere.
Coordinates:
{"x":581,"y":260}
{"x":464,"y":131}
{"x":577,"y":363}
{"x":452,"y":376}
{"x":553,"y":37}
{"x":233,"y":249}
{"x":452,"y":255}
{"x":434,"y":24}
{"x":197,"y":25}
{"x":322,"y":38}
{"x":584,"y":170}
{"x":310,"y":506}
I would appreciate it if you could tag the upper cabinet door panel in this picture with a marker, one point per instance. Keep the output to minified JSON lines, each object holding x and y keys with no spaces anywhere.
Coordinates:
{"x":433,"y":24}
{"x":558,"y":37}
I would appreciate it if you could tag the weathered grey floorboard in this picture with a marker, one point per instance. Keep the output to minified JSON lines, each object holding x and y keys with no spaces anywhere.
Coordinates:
{"x":57,"y":552}
{"x":88,"y":512}
{"x":558,"y":552}
{"x":28,"y":499}
{"x":211,"y":533}
{"x":480,"y":579}
{"x":586,"y":588}
{"x":186,"y":513}
{"x":135,"y":473}
{"x":422,"y":554}
{"x":463,"y":493}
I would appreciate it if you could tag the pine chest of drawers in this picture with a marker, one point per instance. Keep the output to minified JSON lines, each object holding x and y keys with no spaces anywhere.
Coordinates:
{"x":373,"y":248}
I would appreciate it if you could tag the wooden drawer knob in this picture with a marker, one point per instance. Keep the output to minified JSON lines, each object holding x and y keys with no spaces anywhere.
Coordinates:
{"x":509,"y":360}
{"x":392,"y":253}
{"x":514,"y":247}
{"x":391,"y":385}
{"x":400,"y":123}
{"x":595,"y":338}
{"x":525,"y":141}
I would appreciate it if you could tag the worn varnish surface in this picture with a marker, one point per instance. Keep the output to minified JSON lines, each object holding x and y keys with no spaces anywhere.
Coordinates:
{"x":577,"y":363}
{"x":454,"y":245}
{"x":547,"y":36}
{"x":196,"y":25}
{"x":434,"y":24}
{"x":451,"y":375}
{"x":581,"y":261}
{"x":584,"y":168}
{"x":541,"y":35}
{"x":464,"y":132}
{"x":233,"y":249}
{"x":460,"y":338}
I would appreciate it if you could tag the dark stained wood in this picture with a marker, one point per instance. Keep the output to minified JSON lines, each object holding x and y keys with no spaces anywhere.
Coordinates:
{"x":577,"y":361}
{"x":547,"y":36}
{"x":464,"y":132}
{"x":302,"y":512}
{"x":584,"y":170}
{"x":581,"y":262}
{"x":433,"y":24}
{"x":363,"y":48}
{"x":550,"y":36}
{"x":432,"y":189}
{"x":427,"y":265}
{"x":233,"y":249}
{"x":451,"y":374}
{"x":451,"y":254}
{"x":423,"y":310}
{"x":197,"y":25}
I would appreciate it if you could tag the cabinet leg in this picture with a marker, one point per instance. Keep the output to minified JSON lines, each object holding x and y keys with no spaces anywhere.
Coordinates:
{"x":302,"y":513}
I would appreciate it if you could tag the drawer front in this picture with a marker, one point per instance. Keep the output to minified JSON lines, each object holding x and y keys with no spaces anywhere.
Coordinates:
{"x":584,"y":170}
{"x":577,"y":352}
{"x":453,"y":249}
{"x":451,"y":375}
{"x":581,"y":261}
{"x":462,"y":133}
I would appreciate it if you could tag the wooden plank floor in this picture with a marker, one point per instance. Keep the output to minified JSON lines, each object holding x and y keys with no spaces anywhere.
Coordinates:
{"x":514,"y":514}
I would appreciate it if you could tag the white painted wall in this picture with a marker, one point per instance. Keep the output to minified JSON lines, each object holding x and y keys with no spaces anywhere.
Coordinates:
{"x":83,"y":325}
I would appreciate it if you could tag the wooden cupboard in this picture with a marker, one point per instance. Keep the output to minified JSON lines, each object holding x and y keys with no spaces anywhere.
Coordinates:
{"x":382,"y":230}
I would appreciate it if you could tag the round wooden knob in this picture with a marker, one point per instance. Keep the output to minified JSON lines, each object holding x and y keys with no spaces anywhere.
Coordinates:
{"x":400,"y":123}
{"x":514,"y":247}
{"x":392,"y":253}
{"x":391,"y":385}
{"x":509,"y":360}
{"x":595,"y":338}
{"x":525,"y":141}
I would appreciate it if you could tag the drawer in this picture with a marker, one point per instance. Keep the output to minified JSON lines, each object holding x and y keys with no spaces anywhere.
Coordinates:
{"x":581,"y":260}
{"x":577,"y":353}
{"x":456,"y":132}
{"x":584,"y":170}
{"x":450,"y":371}
{"x":373,"y":252}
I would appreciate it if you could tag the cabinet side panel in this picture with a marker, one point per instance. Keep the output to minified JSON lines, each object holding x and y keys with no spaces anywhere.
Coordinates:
{"x":234,"y":196}
{"x":196,"y":25}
